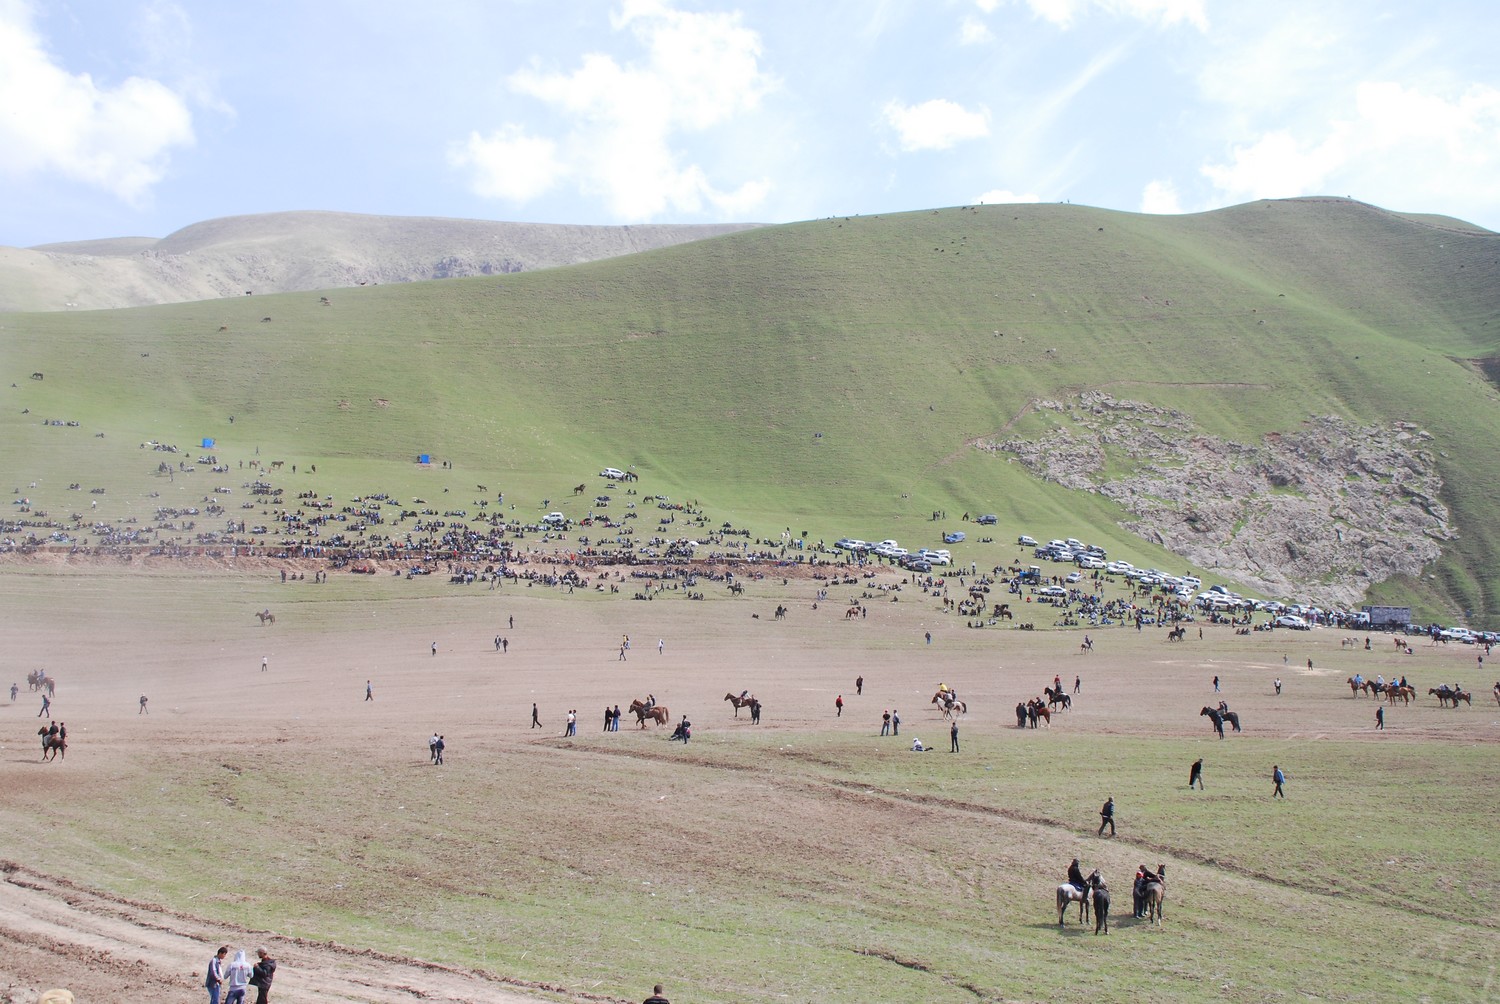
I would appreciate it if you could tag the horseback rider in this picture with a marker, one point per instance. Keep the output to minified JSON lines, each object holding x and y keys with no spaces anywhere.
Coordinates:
{"x":1075,"y":875}
{"x":1223,"y":707}
{"x":650,"y":701}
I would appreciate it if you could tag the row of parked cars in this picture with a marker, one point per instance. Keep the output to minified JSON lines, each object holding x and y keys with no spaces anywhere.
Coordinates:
{"x":921,"y":560}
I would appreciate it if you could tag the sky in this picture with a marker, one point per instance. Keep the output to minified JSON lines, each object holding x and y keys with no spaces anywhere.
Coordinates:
{"x":140,"y":117}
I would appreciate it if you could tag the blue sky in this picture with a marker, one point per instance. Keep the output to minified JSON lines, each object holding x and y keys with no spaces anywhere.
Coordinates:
{"x":120,"y":117}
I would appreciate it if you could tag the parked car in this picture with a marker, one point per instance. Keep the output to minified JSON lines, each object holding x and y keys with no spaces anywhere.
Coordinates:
{"x":1052,"y":591}
{"x":1292,"y":621}
{"x":613,"y":473}
{"x":989,"y":520}
{"x":1025,"y":541}
{"x":1074,"y":577}
{"x":955,"y":537}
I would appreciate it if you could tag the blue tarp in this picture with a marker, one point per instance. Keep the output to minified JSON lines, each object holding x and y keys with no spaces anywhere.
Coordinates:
{"x":207,"y":443}
{"x":424,"y":458}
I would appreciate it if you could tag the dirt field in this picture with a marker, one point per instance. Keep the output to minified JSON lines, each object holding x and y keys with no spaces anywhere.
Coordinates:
{"x":104,"y":849}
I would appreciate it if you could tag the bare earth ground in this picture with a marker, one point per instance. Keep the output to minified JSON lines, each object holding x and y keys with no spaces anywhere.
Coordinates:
{"x":190,"y":643}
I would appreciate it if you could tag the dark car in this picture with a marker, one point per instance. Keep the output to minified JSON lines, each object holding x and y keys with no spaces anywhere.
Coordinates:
{"x":987,"y":520}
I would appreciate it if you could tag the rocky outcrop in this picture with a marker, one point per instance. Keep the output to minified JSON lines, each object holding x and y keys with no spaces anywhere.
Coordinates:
{"x":1317,"y":513}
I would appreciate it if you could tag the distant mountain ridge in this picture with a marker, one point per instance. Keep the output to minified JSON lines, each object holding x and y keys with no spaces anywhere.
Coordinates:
{"x":300,"y":251}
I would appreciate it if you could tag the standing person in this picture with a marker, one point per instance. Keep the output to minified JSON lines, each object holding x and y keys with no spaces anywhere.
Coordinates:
{"x":1278,"y":686}
{"x":572,"y":729}
{"x":622,"y":653}
{"x":754,"y":712}
{"x":369,"y":691}
{"x":504,"y":645}
{"x":929,"y":637}
{"x":656,"y":997}
{"x":14,"y":690}
{"x":895,"y":722}
{"x":434,"y":648}
{"x":1195,"y":774}
{"x":859,"y":687}
{"x":885,"y":723}
{"x":1107,"y":816}
{"x":953,"y":734}
{"x":1077,"y":684}
{"x":261,"y":976}
{"x":438,"y":749}
{"x":609,"y":716}
{"x":214,"y":979}
{"x":661,"y":646}
{"x":838,"y":706}
{"x":265,"y":663}
{"x":237,"y":978}
{"x":536,"y":722}
{"x":432,"y":746}
{"x":1216,"y":684}
{"x":1279,"y":778}
{"x":143,"y":710}
{"x":47,"y":706}
{"x":615,"y":724}
{"x":1380,"y":718}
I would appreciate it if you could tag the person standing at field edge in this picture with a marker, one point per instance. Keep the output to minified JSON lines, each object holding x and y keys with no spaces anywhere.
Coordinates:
{"x":1107,"y":816}
{"x":656,"y":996}
{"x":263,"y":972}
{"x":953,"y":734}
{"x":838,"y":706}
{"x":895,"y":722}
{"x":1380,"y":718}
{"x":213,"y":980}
{"x":1280,"y":779}
{"x":859,"y":687}
{"x":536,"y":722}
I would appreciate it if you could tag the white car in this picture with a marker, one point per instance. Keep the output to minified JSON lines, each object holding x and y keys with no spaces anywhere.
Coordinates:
{"x":1074,"y":577}
{"x":1052,"y":591}
{"x":613,"y":473}
{"x":1292,"y":621}
{"x":1025,"y":541}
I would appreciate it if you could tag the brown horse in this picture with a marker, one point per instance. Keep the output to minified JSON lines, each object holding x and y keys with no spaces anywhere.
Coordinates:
{"x":52,"y":746}
{"x":658,"y":713}
{"x":739,"y":702}
{"x":1404,"y":693}
{"x":1156,"y":895}
{"x":266,"y":617}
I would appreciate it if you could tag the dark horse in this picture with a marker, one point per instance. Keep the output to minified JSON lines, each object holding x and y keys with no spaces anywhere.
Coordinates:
{"x":1216,"y":717}
{"x":1056,"y":697}
{"x":1232,"y":717}
{"x":739,"y":702}
{"x":1101,"y":902}
{"x":52,"y":745}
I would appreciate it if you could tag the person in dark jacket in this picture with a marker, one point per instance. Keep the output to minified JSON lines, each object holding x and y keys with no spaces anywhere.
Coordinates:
{"x":261,"y":975}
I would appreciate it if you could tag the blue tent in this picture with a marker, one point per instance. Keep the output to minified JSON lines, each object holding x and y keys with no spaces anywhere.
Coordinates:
{"x":424,"y":458}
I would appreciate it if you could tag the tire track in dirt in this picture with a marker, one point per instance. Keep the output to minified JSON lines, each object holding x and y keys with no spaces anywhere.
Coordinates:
{"x":55,"y":933}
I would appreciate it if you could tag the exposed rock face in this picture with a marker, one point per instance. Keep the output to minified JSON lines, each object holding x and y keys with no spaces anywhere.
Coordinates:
{"x":1319,"y":513}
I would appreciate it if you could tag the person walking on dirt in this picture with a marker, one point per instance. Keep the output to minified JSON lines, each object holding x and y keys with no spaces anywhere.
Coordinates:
{"x":859,"y":687}
{"x":47,"y":706}
{"x":369,"y":691}
{"x":1279,"y":778}
{"x":1195,"y":774}
{"x":838,"y":706}
{"x":953,"y":734}
{"x":536,"y":722}
{"x":144,"y":710}
{"x":1107,"y":816}
{"x":237,"y":978}
{"x":14,"y":690}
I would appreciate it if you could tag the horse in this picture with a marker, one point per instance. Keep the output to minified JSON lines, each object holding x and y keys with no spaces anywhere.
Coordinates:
{"x":1068,"y":894}
{"x":1101,"y":902}
{"x":52,"y":746}
{"x":1445,"y":694}
{"x":1177,"y":633}
{"x":1355,"y":686}
{"x":1405,"y":693}
{"x":1156,"y":895}
{"x":1038,"y":710}
{"x":949,"y":702}
{"x":657,"y":713}
{"x":579,"y":489}
{"x":36,"y":679}
{"x":266,"y":617}
{"x":1232,"y":717}
{"x":1056,"y":697}
{"x":1216,"y":717}
{"x":1497,"y":692}
{"x":739,"y":702}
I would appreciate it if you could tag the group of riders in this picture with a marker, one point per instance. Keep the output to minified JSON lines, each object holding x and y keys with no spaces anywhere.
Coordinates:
{"x":1143,"y":877}
{"x":54,"y":736}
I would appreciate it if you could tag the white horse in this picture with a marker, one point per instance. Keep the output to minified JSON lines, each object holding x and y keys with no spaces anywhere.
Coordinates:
{"x":1068,"y":894}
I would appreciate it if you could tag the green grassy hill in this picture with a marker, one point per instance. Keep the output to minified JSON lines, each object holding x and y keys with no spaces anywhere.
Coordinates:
{"x":829,"y":376}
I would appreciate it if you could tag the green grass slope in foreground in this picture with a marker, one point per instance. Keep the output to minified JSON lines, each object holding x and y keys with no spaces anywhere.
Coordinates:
{"x":829,"y":375}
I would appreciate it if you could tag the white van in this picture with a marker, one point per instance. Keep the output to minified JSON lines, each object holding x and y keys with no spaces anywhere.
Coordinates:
{"x":554,"y":519}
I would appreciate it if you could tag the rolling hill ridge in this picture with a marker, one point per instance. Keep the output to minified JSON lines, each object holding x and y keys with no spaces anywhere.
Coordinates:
{"x":857,"y":375}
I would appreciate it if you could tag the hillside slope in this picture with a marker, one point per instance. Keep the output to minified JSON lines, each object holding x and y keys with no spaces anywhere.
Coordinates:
{"x":286,"y":252}
{"x":857,"y":375}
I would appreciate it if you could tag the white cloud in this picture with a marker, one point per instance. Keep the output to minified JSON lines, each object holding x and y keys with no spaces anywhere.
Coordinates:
{"x":1163,"y":12}
{"x":113,"y":138}
{"x":508,"y":164}
{"x":935,"y":125}
{"x":972,"y":31}
{"x":1398,"y":143}
{"x":624,"y":122}
{"x":1160,"y":198}
{"x":1005,"y":197}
